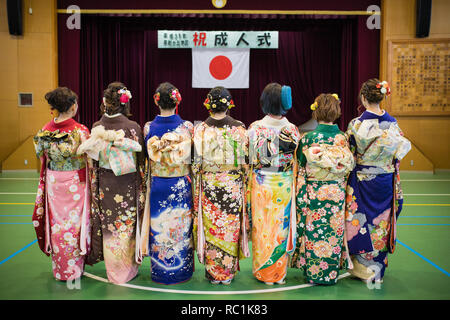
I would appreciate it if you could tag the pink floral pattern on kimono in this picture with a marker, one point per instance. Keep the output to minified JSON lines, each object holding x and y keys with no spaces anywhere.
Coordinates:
{"x":66,"y":194}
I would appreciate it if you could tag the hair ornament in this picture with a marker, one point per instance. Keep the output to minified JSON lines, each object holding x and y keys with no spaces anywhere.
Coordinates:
{"x":212,"y":103}
{"x":176,"y":96}
{"x":384,"y":87}
{"x":157,"y":96}
{"x":335,"y":95}
{"x":314,"y":106}
{"x":125,"y":95}
{"x":286,"y":97}
{"x":207,"y":103}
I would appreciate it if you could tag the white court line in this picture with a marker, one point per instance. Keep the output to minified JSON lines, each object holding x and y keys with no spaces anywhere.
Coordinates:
{"x":132,"y":286}
{"x":426,"y":194}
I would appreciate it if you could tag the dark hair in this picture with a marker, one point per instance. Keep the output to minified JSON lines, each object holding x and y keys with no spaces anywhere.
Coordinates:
{"x":215,"y":95}
{"x":328,"y":108}
{"x":270,"y":100}
{"x":370,"y":91}
{"x":112,"y":97}
{"x":166,"y":101}
{"x":61,"y":99}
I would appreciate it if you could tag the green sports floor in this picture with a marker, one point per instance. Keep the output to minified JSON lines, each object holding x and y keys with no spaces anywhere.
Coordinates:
{"x":419,"y":269}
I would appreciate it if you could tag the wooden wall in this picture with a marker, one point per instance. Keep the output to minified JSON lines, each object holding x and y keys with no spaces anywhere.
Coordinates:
{"x":430,"y":134}
{"x":28,"y":63}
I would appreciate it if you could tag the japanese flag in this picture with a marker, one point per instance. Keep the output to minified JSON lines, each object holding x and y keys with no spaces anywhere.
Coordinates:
{"x":220,"y":67}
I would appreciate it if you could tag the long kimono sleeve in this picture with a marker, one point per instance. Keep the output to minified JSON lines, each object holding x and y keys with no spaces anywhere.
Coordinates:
{"x":301,"y":200}
{"x":351,"y":138}
{"x":142,"y":190}
{"x":196,"y":170}
{"x":404,"y":145}
{"x":40,"y":208}
{"x":301,"y":192}
{"x":145,"y":226}
{"x":251,"y":163}
{"x":244,"y":251}
{"x":95,"y":254}
{"x":85,"y":231}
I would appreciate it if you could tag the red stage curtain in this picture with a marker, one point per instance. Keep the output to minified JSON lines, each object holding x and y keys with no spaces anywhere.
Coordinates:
{"x":314,"y":56}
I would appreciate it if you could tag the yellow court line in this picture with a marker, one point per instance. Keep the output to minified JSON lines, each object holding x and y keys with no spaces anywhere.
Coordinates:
{"x":191,"y":11}
{"x":16,"y":203}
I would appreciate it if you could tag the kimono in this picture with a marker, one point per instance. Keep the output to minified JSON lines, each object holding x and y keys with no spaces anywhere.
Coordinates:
{"x":374,"y":197}
{"x":118,"y":195}
{"x":220,"y":220}
{"x":325,"y":161}
{"x":61,"y":213}
{"x":271,"y":196}
{"x":167,"y":224}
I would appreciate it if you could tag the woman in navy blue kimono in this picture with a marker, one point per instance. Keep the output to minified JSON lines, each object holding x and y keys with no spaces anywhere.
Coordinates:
{"x":167,"y":224}
{"x":374,"y":197}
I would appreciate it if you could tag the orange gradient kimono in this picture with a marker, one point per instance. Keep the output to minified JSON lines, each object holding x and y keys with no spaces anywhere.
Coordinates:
{"x":272,"y":196}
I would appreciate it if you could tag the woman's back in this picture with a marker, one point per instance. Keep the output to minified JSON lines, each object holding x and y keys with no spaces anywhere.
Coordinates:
{"x":60,"y":141}
{"x":272,"y":143}
{"x":378,"y":140}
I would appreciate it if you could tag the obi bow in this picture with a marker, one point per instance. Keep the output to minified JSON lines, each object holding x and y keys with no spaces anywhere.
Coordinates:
{"x":115,"y":149}
{"x":175,"y":148}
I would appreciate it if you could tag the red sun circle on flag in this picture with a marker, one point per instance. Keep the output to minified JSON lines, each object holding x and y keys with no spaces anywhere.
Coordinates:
{"x":220,"y":67}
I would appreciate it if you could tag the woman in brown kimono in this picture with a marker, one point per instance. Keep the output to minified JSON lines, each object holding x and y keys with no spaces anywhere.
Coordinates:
{"x":117,"y":187}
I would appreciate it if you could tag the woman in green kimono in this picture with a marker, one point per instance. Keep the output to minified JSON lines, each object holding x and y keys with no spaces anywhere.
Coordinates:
{"x":325,"y":161}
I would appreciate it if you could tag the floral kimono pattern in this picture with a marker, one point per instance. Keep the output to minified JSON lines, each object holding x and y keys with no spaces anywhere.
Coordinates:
{"x":220,"y":225}
{"x":61,"y":214}
{"x":272,"y":190}
{"x":167,"y":224}
{"x":117,"y":202}
{"x":325,"y":161}
{"x":374,"y":197}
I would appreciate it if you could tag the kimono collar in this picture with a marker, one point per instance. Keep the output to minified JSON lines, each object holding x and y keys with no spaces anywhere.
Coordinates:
{"x":330,"y":128}
{"x":64,"y":125}
{"x":267,"y":120}
{"x":367,"y":115}
{"x":113,"y":115}
{"x":169,"y":119}
{"x":117,"y":118}
{"x":222,"y":122}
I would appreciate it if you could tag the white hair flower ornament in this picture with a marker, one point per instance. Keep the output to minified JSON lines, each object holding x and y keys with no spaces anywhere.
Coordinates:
{"x":384,"y":87}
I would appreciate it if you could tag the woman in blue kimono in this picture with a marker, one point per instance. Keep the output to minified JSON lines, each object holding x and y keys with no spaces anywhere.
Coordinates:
{"x":167,"y":223}
{"x":374,"y":197}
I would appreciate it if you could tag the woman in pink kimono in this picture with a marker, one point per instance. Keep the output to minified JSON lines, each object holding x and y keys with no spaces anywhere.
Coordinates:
{"x":61,"y":213}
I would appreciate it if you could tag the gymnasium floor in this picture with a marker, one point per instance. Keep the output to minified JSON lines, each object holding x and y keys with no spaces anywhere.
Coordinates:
{"x":419,"y":269}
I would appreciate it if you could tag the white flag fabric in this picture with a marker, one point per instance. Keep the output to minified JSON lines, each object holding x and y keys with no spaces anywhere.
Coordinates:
{"x":220,"y":67}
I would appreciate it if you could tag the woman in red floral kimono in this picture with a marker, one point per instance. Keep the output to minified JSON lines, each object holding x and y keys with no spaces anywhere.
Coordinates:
{"x":61,"y":213}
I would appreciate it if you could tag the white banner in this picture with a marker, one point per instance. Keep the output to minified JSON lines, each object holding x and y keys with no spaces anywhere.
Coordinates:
{"x":215,"y":67}
{"x":183,"y":39}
